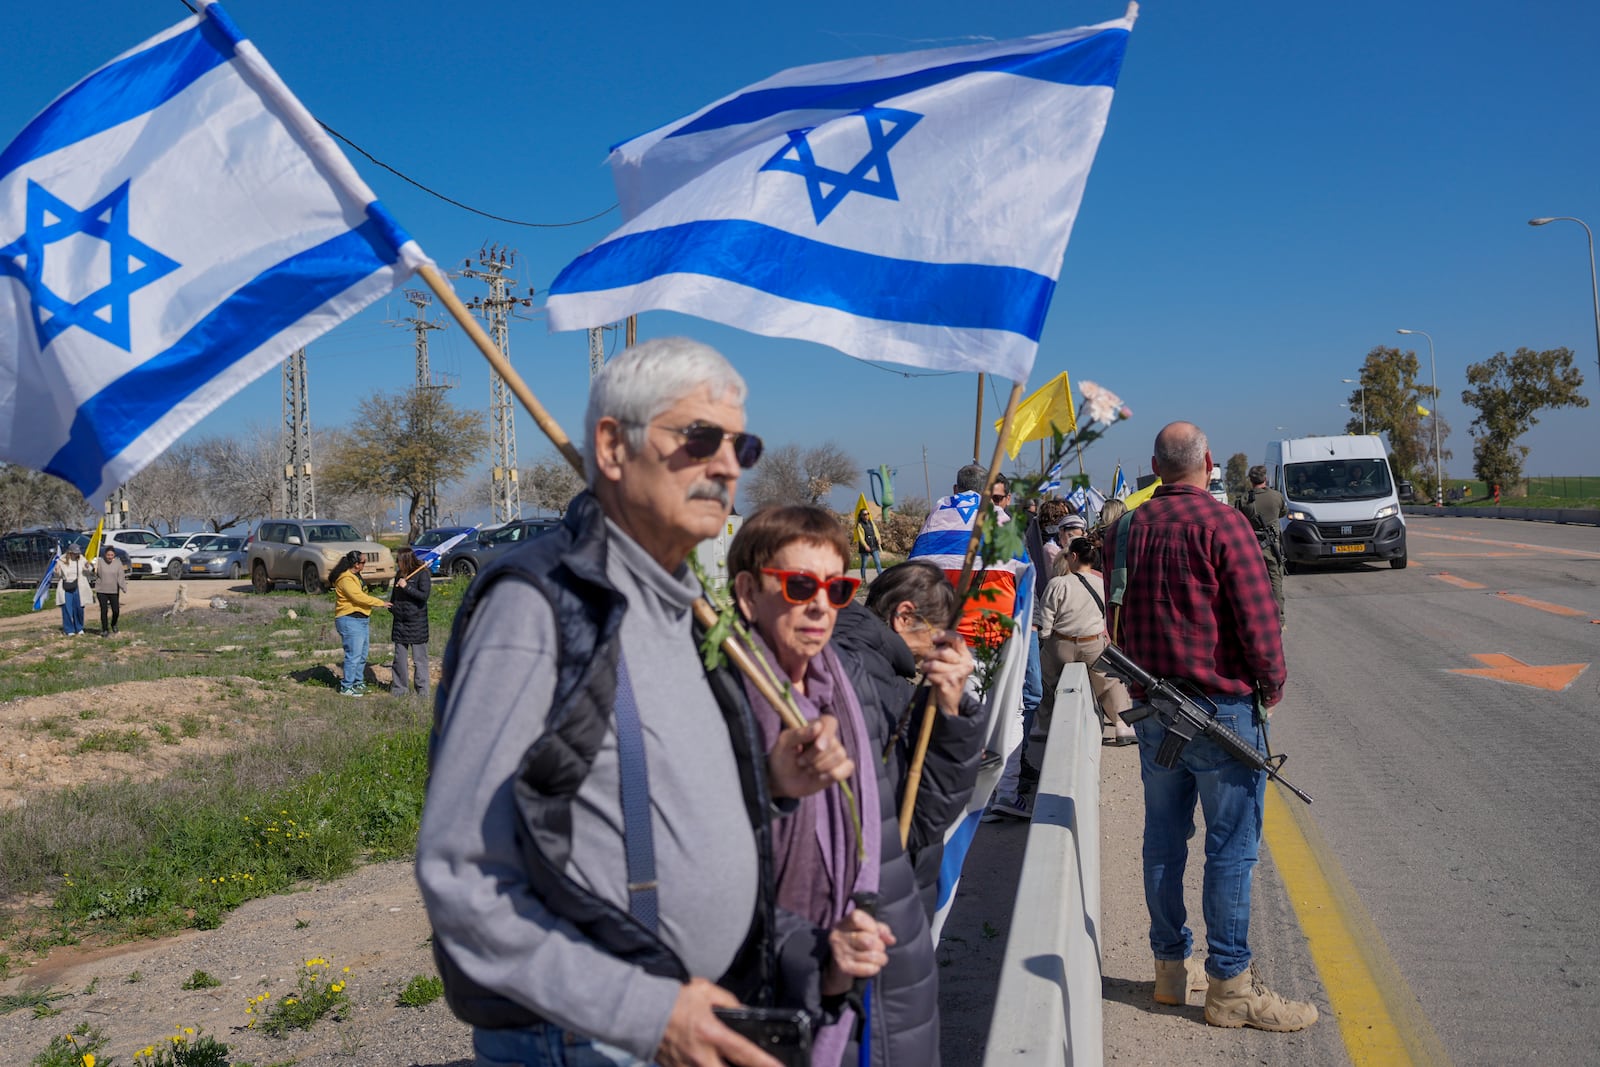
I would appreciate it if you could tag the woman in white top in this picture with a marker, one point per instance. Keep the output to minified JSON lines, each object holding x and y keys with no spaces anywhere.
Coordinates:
{"x":1072,"y":629}
{"x":72,"y":585}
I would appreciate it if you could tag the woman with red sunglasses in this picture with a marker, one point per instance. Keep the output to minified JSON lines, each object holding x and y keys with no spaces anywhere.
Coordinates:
{"x":788,"y":566}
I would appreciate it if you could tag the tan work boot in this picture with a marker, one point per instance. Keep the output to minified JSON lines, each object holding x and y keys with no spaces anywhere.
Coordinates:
{"x":1175,"y":978}
{"x":1245,"y":1000}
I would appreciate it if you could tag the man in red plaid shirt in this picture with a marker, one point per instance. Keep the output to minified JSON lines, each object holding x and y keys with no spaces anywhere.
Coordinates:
{"x":1198,"y":607}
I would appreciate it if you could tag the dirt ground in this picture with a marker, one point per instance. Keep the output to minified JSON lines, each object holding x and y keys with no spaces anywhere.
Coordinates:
{"x":371,"y":921}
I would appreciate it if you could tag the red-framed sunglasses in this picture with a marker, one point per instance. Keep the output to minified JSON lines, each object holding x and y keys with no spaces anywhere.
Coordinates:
{"x":801,"y":587}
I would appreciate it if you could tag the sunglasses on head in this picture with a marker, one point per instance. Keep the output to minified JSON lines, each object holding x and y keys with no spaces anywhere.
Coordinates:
{"x":801,"y":587}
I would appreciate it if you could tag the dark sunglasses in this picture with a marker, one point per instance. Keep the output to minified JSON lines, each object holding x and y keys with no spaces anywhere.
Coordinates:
{"x":801,"y":587}
{"x":702,"y":439}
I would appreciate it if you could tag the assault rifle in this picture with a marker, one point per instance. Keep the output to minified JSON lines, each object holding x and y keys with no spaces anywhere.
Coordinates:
{"x":1185,"y":718}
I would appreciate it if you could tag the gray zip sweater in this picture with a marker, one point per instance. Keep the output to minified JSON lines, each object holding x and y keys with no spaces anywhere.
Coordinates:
{"x":469,"y":864}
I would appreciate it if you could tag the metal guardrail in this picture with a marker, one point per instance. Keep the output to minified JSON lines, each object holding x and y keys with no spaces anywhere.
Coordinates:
{"x":1047,"y":1009}
{"x":1574,"y":516}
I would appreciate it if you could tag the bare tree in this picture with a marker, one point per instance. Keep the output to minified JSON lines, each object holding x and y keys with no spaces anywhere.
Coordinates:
{"x":790,"y":475}
{"x":551,"y":483}
{"x":240,"y":479}
{"x":168,"y":488}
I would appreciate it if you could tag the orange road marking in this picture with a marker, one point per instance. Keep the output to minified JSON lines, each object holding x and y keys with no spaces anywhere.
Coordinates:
{"x":1541,"y":605}
{"x":1461,"y":583}
{"x":1510,"y":544}
{"x":1503,"y":668}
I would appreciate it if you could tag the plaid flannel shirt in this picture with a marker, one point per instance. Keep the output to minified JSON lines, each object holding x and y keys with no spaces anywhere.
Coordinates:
{"x":1199,"y":603}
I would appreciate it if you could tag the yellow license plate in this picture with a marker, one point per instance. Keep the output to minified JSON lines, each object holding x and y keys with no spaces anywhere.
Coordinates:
{"x":1342,"y":549}
{"x":199,"y":568}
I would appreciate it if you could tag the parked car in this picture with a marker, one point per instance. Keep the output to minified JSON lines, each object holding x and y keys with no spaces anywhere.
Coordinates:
{"x":82,"y":541}
{"x":224,"y":557}
{"x":25,"y":555}
{"x":126,"y":541}
{"x":435,"y":537}
{"x":474,"y":554}
{"x":167,"y":555}
{"x":303,"y":551}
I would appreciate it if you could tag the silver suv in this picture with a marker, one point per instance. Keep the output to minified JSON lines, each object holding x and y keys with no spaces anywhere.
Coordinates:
{"x":303,"y":551}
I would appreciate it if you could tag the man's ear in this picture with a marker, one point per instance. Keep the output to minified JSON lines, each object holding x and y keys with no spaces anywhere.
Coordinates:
{"x":610,"y":449}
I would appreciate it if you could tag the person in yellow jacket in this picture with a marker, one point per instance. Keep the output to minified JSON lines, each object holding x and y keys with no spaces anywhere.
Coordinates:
{"x":867,"y":541}
{"x":352,"y":617}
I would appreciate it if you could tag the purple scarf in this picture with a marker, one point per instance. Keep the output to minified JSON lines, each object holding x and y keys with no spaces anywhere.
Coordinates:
{"x":814,"y":850}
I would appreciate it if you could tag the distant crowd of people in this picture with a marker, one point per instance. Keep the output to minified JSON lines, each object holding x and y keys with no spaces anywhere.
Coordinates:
{"x":632,"y":852}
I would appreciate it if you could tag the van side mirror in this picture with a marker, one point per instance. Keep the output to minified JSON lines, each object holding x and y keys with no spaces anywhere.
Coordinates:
{"x":294,"y":539}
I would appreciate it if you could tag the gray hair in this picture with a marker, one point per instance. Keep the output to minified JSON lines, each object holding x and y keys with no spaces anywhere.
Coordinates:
{"x":1180,"y":448}
{"x":646,"y":380}
{"x":970,"y":479}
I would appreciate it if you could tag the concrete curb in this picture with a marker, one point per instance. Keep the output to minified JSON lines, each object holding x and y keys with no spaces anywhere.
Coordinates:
{"x":1047,"y":1009}
{"x":1565,"y":516}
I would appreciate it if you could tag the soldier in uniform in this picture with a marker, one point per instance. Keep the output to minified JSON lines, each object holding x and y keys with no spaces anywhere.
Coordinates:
{"x":1265,"y":507}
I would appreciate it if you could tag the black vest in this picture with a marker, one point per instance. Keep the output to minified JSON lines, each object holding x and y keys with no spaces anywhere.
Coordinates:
{"x":568,"y":568}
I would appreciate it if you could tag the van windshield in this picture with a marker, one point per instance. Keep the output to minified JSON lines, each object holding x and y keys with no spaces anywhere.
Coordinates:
{"x":1338,"y":479}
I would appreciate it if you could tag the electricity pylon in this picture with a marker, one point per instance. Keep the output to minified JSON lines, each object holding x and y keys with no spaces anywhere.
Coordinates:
{"x":506,"y":498}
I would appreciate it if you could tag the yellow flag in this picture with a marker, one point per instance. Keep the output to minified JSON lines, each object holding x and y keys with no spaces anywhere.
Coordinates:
{"x":1422,"y":410}
{"x":1050,"y":403}
{"x":1135,"y":499}
{"x":862,"y":505}
{"x":93,"y":551}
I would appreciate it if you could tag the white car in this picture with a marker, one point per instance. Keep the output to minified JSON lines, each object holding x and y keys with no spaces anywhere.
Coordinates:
{"x":127,"y":542}
{"x":167,"y":555}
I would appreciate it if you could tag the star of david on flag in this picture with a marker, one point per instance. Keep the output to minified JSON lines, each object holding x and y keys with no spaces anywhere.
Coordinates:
{"x":171,"y":227}
{"x":911,"y":208}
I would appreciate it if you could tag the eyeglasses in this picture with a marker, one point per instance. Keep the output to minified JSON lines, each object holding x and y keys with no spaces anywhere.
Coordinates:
{"x":998,"y":498}
{"x":801,"y":587}
{"x":702,"y":439}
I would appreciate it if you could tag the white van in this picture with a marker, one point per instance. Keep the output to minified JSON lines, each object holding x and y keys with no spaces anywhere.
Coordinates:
{"x":1341,"y":498}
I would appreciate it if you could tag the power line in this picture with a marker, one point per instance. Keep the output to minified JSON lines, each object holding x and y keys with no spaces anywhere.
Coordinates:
{"x":434,"y":192}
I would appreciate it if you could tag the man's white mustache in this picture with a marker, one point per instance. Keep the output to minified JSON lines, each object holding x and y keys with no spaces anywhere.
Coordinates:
{"x":709,"y":490}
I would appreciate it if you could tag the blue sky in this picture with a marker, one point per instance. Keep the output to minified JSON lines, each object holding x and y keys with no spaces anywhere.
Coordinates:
{"x":1280,"y":187}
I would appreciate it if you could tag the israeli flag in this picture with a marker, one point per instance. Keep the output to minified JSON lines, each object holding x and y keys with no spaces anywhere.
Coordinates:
{"x":910,"y":208}
{"x":171,"y":228}
{"x":1052,"y":482}
{"x":1078,"y":498}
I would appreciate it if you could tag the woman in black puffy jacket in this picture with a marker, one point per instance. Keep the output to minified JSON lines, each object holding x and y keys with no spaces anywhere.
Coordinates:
{"x":880,"y":647}
{"x":412,"y":587}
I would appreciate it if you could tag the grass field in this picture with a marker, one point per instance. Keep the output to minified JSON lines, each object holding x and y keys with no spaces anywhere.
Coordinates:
{"x":289,"y":781}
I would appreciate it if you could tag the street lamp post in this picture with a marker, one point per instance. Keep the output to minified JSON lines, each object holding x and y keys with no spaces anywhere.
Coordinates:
{"x":1363,"y":383}
{"x":1594,"y":283}
{"x":1438,"y":462}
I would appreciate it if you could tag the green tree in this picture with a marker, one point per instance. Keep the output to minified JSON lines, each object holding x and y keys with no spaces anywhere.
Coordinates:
{"x":404,"y":444}
{"x":1508,"y":394}
{"x":1237,"y":475}
{"x":1393,"y":395}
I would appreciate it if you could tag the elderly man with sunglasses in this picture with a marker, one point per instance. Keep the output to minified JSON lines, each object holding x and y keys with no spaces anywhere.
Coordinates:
{"x":595,"y":847}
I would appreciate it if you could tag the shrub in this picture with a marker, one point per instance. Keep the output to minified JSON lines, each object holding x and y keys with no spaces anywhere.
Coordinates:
{"x":422,"y":990}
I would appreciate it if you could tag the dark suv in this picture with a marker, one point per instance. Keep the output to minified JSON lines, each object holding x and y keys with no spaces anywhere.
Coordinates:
{"x":25,"y":556}
{"x":471,"y":556}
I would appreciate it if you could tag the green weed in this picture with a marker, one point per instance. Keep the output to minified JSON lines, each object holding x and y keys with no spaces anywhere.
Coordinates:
{"x":76,"y":1048}
{"x":130,"y":741}
{"x":318,"y":993}
{"x":32,"y":999}
{"x":187,"y":1047}
{"x":201,"y":980}
{"x":420,"y":991}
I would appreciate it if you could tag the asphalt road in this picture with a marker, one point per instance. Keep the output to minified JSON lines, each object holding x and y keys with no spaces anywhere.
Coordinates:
{"x":1464,"y":809}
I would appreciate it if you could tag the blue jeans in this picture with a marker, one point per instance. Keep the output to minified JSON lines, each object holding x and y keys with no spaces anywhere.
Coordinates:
{"x":1032,"y":683}
{"x":354,"y":631}
{"x":877,"y":561}
{"x":545,"y":1045}
{"x":72,"y":611}
{"x":1231,"y":796}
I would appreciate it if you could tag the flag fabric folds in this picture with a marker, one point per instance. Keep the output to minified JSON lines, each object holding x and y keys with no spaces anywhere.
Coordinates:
{"x":1052,"y":481}
{"x":171,"y":228}
{"x":1133,"y":500}
{"x":42,"y":590}
{"x":1046,"y":410}
{"x":92,"y":552}
{"x":439,"y":551}
{"x":912,"y":208}
{"x":1119,"y":485}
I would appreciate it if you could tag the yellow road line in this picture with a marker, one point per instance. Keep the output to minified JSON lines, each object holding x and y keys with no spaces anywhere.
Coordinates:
{"x":1379,"y":1017}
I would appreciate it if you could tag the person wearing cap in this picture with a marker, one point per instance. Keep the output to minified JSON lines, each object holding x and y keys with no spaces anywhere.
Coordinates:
{"x":110,"y":582}
{"x":72,"y":574}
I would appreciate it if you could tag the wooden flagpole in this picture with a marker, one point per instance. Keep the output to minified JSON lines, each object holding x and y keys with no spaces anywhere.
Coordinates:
{"x":552,"y":429}
{"x":919,"y":755}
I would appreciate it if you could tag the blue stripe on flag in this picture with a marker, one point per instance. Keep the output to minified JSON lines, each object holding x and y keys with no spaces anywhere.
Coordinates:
{"x":121,"y":91}
{"x":274,"y":300}
{"x":941,"y":543}
{"x":955,"y":854}
{"x":956,"y":295}
{"x":1093,"y":60}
